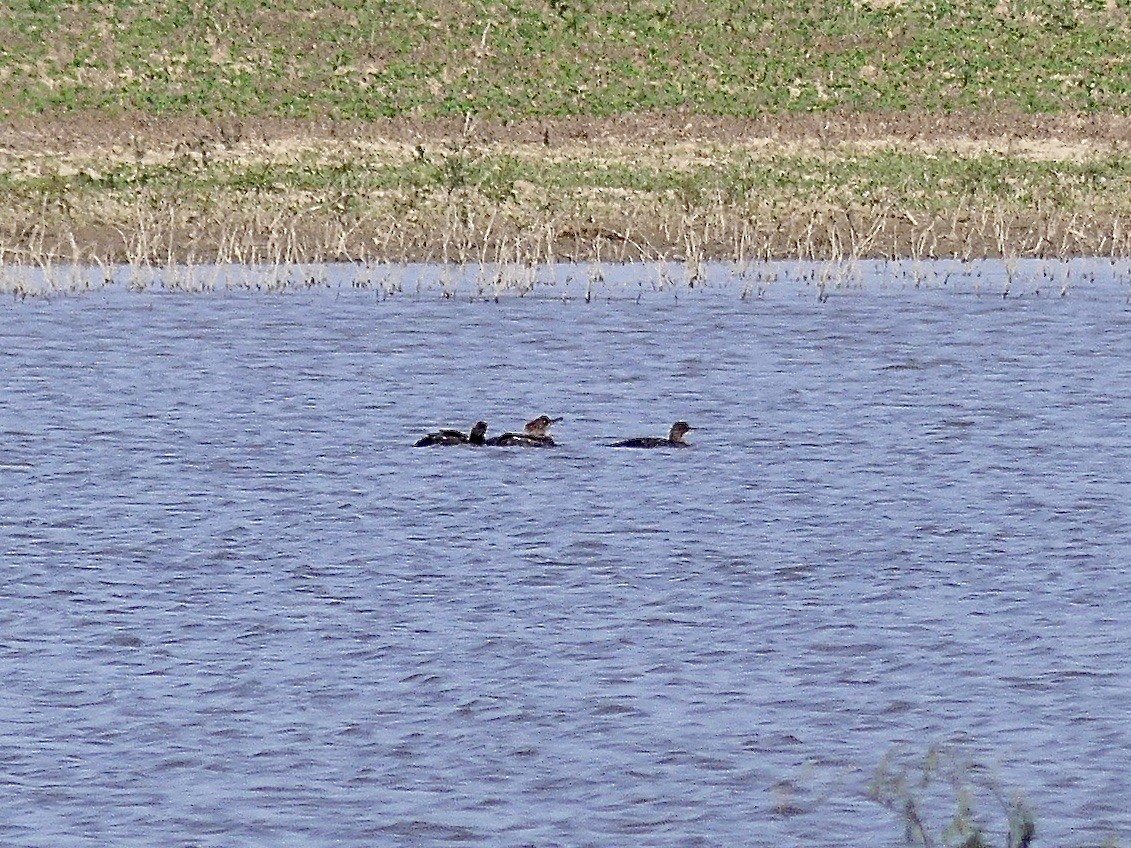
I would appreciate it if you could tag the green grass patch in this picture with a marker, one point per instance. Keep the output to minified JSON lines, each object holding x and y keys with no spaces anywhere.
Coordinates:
{"x":931,"y":181}
{"x":507,"y":59}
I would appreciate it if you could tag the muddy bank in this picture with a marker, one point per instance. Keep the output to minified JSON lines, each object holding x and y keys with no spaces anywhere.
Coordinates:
{"x":692,"y":188}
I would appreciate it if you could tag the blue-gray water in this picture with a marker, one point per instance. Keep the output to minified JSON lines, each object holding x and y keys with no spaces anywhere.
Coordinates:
{"x":238,"y":609}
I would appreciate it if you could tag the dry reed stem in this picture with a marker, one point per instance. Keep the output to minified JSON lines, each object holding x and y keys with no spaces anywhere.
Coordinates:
{"x":464,"y":228}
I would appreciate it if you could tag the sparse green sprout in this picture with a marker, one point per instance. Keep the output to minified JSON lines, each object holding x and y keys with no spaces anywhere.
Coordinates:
{"x":943,"y":778}
{"x":1022,"y":828}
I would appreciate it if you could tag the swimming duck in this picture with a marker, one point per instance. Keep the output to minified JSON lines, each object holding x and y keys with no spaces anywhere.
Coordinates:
{"x":455,"y":437}
{"x":674,"y":439}
{"x":534,"y":435}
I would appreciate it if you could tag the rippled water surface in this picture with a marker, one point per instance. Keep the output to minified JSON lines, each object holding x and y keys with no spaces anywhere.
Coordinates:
{"x":238,"y":608}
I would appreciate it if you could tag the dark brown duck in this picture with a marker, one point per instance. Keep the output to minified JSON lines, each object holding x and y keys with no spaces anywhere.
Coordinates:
{"x":455,"y":437}
{"x":534,"y":435}
{"x":674,"y":439}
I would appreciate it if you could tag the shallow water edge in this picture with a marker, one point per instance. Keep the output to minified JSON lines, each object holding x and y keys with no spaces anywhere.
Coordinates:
{"x":589,"y":281}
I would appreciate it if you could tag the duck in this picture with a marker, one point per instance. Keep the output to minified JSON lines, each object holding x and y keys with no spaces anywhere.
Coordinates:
{"x":534,"y":435}
{"x":455,"y":437}
{"x":674,"y":440}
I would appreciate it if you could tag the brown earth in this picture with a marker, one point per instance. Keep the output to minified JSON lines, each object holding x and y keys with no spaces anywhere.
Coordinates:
{"x":76,"y":134}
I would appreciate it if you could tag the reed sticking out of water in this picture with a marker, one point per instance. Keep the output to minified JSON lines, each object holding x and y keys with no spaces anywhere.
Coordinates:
{"x":919,"y":793}
{"x":464,"y":226}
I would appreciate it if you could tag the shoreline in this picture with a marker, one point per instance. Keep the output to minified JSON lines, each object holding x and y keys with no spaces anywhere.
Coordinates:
{"x":646,"y":188}
{"x":607,"y":282}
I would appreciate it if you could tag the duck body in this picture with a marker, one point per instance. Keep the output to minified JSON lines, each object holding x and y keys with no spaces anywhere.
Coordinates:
{"x":674,"y":439}
{"x":455,"y":437}
{"x":442,"y":437}
{"x":521,"y":440}
{"x":650,"y":442}
{"x":534,"y":435}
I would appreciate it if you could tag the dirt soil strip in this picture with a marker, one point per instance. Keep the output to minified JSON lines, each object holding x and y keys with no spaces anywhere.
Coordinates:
{"x":1041,"y":136}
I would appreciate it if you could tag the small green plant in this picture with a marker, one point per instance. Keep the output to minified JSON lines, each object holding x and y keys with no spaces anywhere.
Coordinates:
{"x":945,"y":787}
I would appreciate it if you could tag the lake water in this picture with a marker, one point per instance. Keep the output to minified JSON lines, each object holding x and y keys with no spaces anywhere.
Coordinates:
{"x":238,"y":608}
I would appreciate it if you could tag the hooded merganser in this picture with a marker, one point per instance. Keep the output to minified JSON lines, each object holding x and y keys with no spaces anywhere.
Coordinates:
{"x":534,"y":435}
{"x":674,"y":439}
{"x":455,"y":437}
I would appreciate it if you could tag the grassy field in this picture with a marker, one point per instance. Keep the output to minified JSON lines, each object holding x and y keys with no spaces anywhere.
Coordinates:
{"x":522,"y":132}
{"x":434,"y":58}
